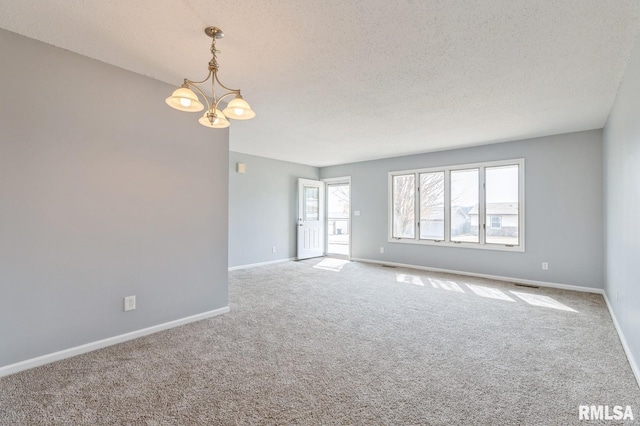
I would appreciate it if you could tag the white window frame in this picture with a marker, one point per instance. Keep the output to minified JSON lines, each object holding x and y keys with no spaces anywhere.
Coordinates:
{"x":482,"y":216}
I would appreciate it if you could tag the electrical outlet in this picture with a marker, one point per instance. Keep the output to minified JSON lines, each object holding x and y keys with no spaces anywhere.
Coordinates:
{"x":545,"y":266}
{"x":273,"y":249}
{"x":129,"y":303}
{"x":381,"y":249}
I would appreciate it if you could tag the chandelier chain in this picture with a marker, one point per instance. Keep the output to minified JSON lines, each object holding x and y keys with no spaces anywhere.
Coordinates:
{"x":213,"y":64}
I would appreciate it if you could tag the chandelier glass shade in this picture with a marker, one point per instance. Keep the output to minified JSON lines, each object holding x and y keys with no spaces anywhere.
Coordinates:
{"x":217,"y":122}
{"x":185,"y":99}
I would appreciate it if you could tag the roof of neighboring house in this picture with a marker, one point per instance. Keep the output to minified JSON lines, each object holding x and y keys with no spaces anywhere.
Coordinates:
{"x":498,"y":208}
{"x":438,"y":214}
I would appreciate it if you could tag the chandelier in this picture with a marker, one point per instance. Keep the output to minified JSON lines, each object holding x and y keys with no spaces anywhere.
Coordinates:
{"x":184,"y":98}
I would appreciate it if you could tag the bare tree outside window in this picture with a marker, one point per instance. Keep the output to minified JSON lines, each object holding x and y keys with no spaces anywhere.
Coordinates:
{"x":338,"y":200}
{"x":432,"y":206}
{"x":404,"y":215}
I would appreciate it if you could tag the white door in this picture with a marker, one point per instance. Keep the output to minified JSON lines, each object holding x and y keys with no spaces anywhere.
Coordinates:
{"x":310,"y":218}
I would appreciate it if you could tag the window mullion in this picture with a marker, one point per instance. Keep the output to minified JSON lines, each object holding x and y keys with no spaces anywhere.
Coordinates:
{"x":447,"y":205}
{"x":416,"y":204}
{"x":482,"y":216}
{"x":521,"y":202}
{"x":391,"y":213}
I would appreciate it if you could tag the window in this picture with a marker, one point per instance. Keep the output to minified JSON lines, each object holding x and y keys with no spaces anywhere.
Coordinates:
{"x":472,"y":205}
{"x":404,"y":191}
{"x":502,"y":196}
{"x":464,"y":197}
{"x":432,"y":206}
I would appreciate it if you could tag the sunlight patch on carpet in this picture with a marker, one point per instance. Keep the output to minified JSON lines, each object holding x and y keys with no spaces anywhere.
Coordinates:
{"x":330,"y":264}
{"x":446,"y":285}
{"x":409,"y":279}
{"x":543,"y":301}
{"x":490,"y":292}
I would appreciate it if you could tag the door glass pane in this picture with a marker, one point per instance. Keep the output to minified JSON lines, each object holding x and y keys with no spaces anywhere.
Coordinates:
{"x":311,"y":203}
{"x":338,"y":201}
{"x":464,"y":205}
{"x":338,"y":219}
{"x":404,"y":222}
{"x":432,"y":206}
{"x":502,"y":205}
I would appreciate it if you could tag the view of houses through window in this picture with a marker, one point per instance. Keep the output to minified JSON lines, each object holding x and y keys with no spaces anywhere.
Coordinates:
{"x":502,"y":205}
{"x":478,"y":204}
{"x":464,"y":198}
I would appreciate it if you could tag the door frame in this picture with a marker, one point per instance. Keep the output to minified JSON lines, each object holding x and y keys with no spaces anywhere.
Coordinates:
{"x":327,"y":182}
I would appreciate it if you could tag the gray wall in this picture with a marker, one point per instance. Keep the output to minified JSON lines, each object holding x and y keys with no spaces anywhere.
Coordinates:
{"x":105,"y":192}
{"x":622,"y":201}
{"x":563,"y":211}
{"x":262,"y":208}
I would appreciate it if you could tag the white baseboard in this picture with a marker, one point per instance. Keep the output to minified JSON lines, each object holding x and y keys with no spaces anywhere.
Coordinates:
{"x":255,"y":265}
{"x":77,"y":350}
{"x":492,"y":277}
{"x":623,"y":340}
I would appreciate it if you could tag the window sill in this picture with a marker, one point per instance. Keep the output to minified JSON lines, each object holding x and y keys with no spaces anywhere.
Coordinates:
{"x":477,"y":246}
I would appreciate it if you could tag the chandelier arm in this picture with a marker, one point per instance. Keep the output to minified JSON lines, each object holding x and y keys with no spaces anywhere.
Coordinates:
{"x":213,"y":91}
{"x":195,"y":86}
{"x":236,"y":91}
{"x":187,"y":81}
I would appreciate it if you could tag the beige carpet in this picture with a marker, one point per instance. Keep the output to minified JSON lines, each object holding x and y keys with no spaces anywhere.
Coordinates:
{"x":329,"y":342}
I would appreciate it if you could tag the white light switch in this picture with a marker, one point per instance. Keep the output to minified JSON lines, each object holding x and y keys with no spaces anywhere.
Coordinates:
{"x":241,"y":167}
{"x":356,"y":212}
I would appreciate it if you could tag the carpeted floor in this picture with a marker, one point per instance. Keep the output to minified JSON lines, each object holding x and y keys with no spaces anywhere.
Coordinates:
{"x":326,"y":341}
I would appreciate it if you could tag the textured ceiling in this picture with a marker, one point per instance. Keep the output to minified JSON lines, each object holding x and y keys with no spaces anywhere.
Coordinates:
{"x":339,"y":81}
